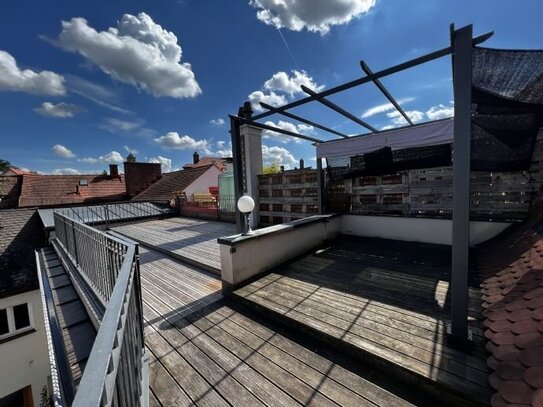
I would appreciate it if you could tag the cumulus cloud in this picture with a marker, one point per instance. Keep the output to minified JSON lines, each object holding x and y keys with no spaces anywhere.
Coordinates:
{"x":277,"y":154}
{"x":137,"y":51}
{"x":398,"y":120}
{"x":130,"y":150}
{"x":165,"y":163}
{"x":113,"y":157}
{"x":282,"y":82}
{"x":217,"y":122}
{"x":313,"y":15}
{"x":271,"y":99}
{"x":440,"y":112}
{"x":62,"y":151}
{"x":222,"y":149}
{"x":173,"y":141}
{"x":15,"y":79}
{"x":281,"y":88}
{"x":60,"y":110}
{"x":372,"y":111}
{"x":282,"y":138}
{"x":65,"y":171}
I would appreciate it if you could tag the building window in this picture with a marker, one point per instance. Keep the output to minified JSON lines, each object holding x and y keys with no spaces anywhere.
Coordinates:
{"x":15,"y":320}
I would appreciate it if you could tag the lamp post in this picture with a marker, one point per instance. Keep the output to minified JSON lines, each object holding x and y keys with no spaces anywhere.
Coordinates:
{"x":246,"y":206}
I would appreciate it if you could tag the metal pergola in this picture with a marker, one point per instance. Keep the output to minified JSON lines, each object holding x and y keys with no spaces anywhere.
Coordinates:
{"x":460,"y":49}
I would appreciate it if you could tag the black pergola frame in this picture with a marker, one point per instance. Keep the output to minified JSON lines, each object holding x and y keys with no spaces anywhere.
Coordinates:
{"x":462,"y":41}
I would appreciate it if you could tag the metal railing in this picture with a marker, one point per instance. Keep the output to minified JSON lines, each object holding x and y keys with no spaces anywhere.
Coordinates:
{"x":220,"y":207}
{"x":115,"y":373}
{"x":114,"y":212}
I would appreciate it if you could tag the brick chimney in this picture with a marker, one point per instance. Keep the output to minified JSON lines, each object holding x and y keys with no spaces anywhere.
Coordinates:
{"x":302,"y":163}
{"x":195,"y":157}
{"x":113,"y":170}
{"x":139,"y":176}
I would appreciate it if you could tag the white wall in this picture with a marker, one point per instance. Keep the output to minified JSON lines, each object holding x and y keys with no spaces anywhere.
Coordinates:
{"x":416,"y":229}
{"x":274,"y":245}
{"x":24,"y":361}
{"x":210,"y":178}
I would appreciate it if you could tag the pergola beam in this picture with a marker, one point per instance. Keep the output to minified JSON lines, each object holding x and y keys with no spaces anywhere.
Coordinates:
{"x":340,"y":110}
{"x":377,"y":75}
{"x":275,"y":129}
{"x":385,"y":92}
{"x":301,"y":119}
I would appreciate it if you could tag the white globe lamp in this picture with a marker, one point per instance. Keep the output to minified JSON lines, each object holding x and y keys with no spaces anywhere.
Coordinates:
{"x":246,"y":204}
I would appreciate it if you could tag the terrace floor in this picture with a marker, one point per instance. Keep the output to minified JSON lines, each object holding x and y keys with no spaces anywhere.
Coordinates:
{"x":386,"y":303}
{"x":192,"y":241}
{"x":204,"y":351}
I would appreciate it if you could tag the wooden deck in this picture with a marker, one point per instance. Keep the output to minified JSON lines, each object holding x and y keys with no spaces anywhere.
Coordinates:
{"x":205,"y":352}
{"x":385,"y":302}
{"x":191,"y":240}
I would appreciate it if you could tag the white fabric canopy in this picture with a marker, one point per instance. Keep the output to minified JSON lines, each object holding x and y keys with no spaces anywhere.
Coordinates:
{"x":430,"y":134}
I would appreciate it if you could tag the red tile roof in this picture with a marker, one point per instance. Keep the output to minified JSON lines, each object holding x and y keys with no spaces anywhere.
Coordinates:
{"x":512,"y":294}
{"x":17,"y":171}
{"x":204,"y":162}
{"x":49,"y":190}
{"x":10,"y":188}
{"x":170,"y":184}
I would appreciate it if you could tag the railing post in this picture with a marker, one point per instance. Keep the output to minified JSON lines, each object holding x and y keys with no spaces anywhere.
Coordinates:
{"x":75,"y":244}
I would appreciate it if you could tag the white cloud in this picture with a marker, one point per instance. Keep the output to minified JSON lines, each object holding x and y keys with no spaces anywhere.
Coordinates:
{"x":60,"y":110}
{"x":65,"y":171}
{"x":137,"y":51}
{"x":282,"y":138}
{"x":130,"y":150}
{"x":62,"y":151}
{"x":173,"y":141}
{"x":398,"y":120}
{"x":14,"y":79}
{"x":113,"y":157}
{"x":440,"y":112}
{"x":277,"y":154}
{"x":217,"y":122}
{"x":134,"y":127}
{"x":372,"y":111}
{"x":313,"y":15}
{"x":281,"y":88}
{"x":282,"y":82}
{"x":94,"y":92}
{"x":165,"y":163}
{"x":271,"y":99}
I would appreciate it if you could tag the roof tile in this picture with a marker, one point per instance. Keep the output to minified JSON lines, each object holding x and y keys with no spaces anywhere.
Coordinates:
{"x":534,"y":376}
{"x":515,"y":391}
{"x":531,"y":356}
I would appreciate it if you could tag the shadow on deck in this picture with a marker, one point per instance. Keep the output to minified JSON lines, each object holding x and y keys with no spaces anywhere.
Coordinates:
{"x":385,"y":302}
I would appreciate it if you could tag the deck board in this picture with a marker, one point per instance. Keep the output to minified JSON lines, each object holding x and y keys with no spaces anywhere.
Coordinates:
{"x":192,"y":240}
{"x":202,"y":352}
{"x":379,"y":302}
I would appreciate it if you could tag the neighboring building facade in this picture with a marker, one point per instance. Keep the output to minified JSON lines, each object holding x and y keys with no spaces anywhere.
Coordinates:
{"x":183,"y":182}
{"x":24,"y":366}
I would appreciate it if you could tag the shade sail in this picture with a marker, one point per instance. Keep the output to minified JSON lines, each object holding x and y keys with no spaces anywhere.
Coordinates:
{"x":428,"y":134}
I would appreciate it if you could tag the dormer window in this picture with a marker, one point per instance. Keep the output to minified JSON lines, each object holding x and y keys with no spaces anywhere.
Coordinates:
{"x":83,"y":183}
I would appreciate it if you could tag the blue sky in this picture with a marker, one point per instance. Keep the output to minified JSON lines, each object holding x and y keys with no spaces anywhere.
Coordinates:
{"x":77,"y":95}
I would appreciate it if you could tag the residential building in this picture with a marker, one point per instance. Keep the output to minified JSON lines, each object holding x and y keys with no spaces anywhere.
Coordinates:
{"x":24,"y":366}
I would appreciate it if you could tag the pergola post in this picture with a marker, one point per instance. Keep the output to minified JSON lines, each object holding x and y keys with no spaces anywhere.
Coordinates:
{"x":462,"y":78}
{"x":238,"y":169}
{"x":320,"y":187}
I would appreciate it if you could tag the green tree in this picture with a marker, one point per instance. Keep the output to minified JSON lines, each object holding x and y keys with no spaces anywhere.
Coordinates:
{"x":4,"y":164}
{"x":273,"y":168}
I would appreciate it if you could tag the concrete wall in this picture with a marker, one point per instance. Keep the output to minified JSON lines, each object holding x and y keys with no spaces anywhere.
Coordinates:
{"x":210,"y":178}
{"x":247,"y":256}
{"x":416,"y":229}
{"x":24,"y":361}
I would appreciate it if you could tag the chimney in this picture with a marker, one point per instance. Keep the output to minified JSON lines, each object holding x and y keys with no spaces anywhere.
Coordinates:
{"x":301,"y":163}
{"x":139,"y":176}
{"x":113,"y":170}
{"x":195,"y":157}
